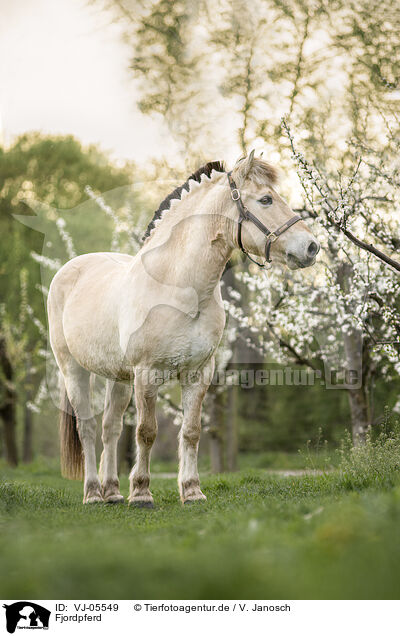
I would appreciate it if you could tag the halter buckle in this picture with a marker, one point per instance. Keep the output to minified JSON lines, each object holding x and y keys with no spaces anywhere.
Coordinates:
{"x":272,"y":237}
{"x":234,"y":196}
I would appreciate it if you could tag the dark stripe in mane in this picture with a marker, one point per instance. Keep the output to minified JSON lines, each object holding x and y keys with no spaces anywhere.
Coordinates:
{"x":176,"y":194}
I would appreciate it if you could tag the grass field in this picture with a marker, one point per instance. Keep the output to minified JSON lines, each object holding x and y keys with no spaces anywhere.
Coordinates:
{"x":258,"y":536}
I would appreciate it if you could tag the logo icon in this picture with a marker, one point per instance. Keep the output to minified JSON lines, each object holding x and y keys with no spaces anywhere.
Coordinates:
{"x":26,"y":615}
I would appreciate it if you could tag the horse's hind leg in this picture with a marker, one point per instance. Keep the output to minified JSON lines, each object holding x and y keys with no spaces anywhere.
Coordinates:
{"x":77,"y":380}
{"x":146,"y":432}
{"x":117,"y":400}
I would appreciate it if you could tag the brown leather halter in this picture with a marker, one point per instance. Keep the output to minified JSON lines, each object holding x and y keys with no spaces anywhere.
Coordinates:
{"x":246,"y":215}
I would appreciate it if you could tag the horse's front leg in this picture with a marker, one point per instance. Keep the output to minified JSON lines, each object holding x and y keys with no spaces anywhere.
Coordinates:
{"x":146,"y":432}
{"x":189,"y":436}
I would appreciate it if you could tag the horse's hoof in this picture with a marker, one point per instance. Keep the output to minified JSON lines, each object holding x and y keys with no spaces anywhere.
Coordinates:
{"x":114,"y":499}
{"x":93,"y":500}
{"x":142,"y":504}
{"x":192,"y":502}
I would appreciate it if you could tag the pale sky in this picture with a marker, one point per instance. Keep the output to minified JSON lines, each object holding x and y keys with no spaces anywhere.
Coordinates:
{"x":64,"y":69}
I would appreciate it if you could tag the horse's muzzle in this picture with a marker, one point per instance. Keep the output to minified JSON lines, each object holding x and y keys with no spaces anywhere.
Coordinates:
{"x":303,"y":253}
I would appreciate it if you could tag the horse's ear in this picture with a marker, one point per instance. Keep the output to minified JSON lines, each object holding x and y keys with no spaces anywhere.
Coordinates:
{"x":239,"y":159}
{"x":245,"y":164}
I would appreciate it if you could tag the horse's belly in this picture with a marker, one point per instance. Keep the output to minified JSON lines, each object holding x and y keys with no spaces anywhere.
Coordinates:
{"x":102,"y":357}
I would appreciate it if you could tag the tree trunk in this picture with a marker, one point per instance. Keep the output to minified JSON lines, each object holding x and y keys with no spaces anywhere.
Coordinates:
{"x":231,"y":429}
{"x":359,"y":415}
{"x":10,"y":444}
{"x":216,"y":433}
{"x":358,"y":367}
{"x":126,"y":453}
{"x":8,"y":406}
{"x":27,"y":450}
{"x":358,"y":363}
{"x":216,"y":453}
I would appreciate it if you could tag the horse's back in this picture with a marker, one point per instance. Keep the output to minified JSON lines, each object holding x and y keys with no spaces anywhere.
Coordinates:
{"x":81,"y":268}
{"x":87,"y":274}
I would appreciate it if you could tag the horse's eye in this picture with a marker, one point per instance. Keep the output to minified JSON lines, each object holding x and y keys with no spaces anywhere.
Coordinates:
{"x":265,"y":200}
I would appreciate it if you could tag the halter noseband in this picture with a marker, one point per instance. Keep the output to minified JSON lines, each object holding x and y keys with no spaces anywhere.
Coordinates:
{"x":246,"y":215}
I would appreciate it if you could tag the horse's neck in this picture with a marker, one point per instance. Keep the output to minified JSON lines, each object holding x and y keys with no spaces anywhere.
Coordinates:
{"x":192,"y":243}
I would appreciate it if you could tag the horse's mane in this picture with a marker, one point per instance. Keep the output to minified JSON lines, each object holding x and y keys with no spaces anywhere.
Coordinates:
{"x":177,"y":193}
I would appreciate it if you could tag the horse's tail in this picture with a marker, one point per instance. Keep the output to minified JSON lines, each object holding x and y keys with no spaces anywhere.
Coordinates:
{"x":71,"y":453}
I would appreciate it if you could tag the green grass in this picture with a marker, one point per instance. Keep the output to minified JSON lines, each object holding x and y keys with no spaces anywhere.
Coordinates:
{"x":279,"y":460}
{"x":258,"y":536}
{"x":309,"y":458}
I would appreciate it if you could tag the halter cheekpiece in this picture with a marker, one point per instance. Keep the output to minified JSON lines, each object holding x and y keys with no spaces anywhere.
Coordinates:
{"x":246,"y":215}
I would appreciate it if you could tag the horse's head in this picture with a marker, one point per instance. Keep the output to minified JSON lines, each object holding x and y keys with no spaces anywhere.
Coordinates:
{"x":291,"y":240}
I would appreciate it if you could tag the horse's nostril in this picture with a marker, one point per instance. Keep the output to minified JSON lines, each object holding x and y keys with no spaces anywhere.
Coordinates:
{"x":313,"y":249}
